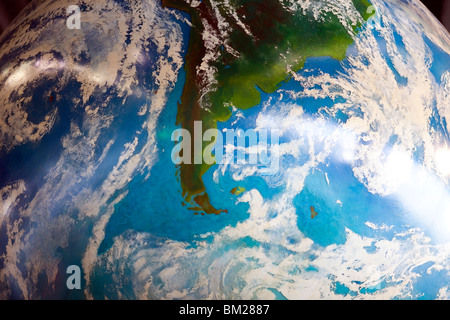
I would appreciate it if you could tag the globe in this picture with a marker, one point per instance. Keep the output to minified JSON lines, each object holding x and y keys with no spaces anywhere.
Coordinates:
{"x":215,"y":149}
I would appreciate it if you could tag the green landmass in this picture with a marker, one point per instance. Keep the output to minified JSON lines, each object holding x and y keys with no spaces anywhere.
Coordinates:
{"x":280,"y":42}
{"x":238,"y":191}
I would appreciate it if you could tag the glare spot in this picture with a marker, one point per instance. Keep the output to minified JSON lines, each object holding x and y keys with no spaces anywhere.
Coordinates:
{"x":442,"y":158}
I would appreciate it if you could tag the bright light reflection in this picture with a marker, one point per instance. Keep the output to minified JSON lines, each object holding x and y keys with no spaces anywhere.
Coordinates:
{"x":442,"y":158}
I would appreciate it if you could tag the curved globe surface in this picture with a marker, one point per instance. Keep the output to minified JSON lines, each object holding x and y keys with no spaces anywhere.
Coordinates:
{"x":357,"y":204}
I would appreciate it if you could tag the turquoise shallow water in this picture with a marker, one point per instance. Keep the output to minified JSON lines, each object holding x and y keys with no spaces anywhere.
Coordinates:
{"x":358,"y":207}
